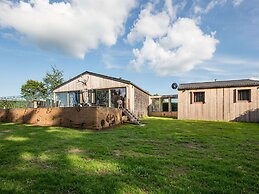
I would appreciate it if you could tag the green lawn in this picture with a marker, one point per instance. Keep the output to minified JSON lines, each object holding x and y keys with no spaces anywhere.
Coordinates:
{"x":164,"y":156}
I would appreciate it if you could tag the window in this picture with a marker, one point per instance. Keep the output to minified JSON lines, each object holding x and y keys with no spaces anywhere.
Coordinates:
{"x":199,"y":97}
{"x":74,"y":98}
{"x":118,"y":94}
{"x":62,"y":99}
{"x":174,"y":104}
{"x":102,"y":98}
{"x":244,"y":95}
{"x":89,"y":97}
{"x":165,"y":104}
{"x":155,"y":105}
{"x":234,"y":96}
{"x":68,"y":99}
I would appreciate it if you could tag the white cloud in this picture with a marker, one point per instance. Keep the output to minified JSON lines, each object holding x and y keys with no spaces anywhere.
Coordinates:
{"x":173,"y":9}
{"x":109,"y":65}
{"x":10,"y":36}
{"x":255,"y":78}
{"x":232,"y":60}
{"x":73,"y":27}
{"x":153,"y":24}
{"x":170,"y":8}
{"x":178,"y":48}
{"x":209,"y":7}
{"x":149,"y":24}
{"x":236,"y":3}
{"x":212,"y":4}
{"x":231,"y":67}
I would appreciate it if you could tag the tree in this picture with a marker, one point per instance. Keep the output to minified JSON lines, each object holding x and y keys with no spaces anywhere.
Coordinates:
{"x":53,"y":79}
{"x":33,"y":90}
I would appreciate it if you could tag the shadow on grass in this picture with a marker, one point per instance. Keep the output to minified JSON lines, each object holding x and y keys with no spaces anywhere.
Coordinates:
{"x":59,"y":160}
{"x":171,"y":156}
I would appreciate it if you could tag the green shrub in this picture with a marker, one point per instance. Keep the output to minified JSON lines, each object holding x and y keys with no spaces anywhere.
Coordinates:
{"x":13,"y":104}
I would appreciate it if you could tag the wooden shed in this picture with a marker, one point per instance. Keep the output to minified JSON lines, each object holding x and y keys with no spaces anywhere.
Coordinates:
{"x":92,"y":89}
{"x":234,"y":100}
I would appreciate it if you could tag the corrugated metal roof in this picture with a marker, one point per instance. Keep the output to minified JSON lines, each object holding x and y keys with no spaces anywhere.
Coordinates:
{"x":219,"y":84}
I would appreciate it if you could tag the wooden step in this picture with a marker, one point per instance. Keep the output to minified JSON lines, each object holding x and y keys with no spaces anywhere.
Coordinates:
{"x":131,"y":116}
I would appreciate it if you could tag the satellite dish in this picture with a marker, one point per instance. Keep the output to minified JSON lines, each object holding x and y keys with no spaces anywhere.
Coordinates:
{"x":174,"y":86}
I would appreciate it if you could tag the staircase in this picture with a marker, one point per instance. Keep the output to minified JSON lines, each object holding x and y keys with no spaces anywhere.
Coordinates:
{"x":131,"y":116}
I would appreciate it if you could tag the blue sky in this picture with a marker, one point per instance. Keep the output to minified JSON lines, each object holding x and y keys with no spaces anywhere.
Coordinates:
{"x":151,"y":43}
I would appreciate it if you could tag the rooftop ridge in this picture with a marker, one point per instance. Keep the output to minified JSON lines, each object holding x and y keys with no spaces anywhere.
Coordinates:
{"x":103,"y":76}
{"x":220,"y":81}
{"x":219,"y":84}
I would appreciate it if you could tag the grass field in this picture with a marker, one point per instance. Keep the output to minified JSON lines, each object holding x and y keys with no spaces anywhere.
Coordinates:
{"x":164,"y":156}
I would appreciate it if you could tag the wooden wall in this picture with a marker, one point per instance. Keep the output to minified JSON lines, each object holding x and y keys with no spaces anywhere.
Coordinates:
{"x":219,"y":105}
{"x":84,"y":118}
{"x":93,"y":82}
{"x":172,"y":114}
{"x":141,"y":103}
{"x":130,"y":98}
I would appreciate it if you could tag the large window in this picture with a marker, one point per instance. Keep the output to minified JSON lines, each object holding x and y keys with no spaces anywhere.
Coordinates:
{"x":88,"y":97}
{"x":61,"y":98}
{"x":68,"y":99}
{"x":74,"y":98}
{"x":244,"y":95}
{"x":102,"y":98}
{"x":118,"y":94}
{"x":155,"y":105}
{"x":165,"y":104}
{"x":174,"y":104}
{"x":199,"y":97}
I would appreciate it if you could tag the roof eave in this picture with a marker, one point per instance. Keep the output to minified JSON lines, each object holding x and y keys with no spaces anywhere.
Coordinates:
{"x":198,"y":88}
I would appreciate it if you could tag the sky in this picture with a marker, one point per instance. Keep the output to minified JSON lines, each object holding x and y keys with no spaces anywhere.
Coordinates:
{"x":151,"y":43}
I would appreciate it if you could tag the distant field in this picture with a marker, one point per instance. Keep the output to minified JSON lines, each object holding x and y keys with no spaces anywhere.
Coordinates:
{"x":164,"y":156}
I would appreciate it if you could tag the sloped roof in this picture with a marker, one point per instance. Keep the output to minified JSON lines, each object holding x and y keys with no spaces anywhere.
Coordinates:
{"x":102,"y":76}
{"x":219,"y":84}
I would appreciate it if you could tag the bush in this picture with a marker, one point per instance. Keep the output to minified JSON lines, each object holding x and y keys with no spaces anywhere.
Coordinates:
{"x":13,"y":104}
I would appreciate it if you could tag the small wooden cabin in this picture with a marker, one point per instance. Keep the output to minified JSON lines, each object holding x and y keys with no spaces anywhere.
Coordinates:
{"x":235,"y":100}
{"x":92,"y":89}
